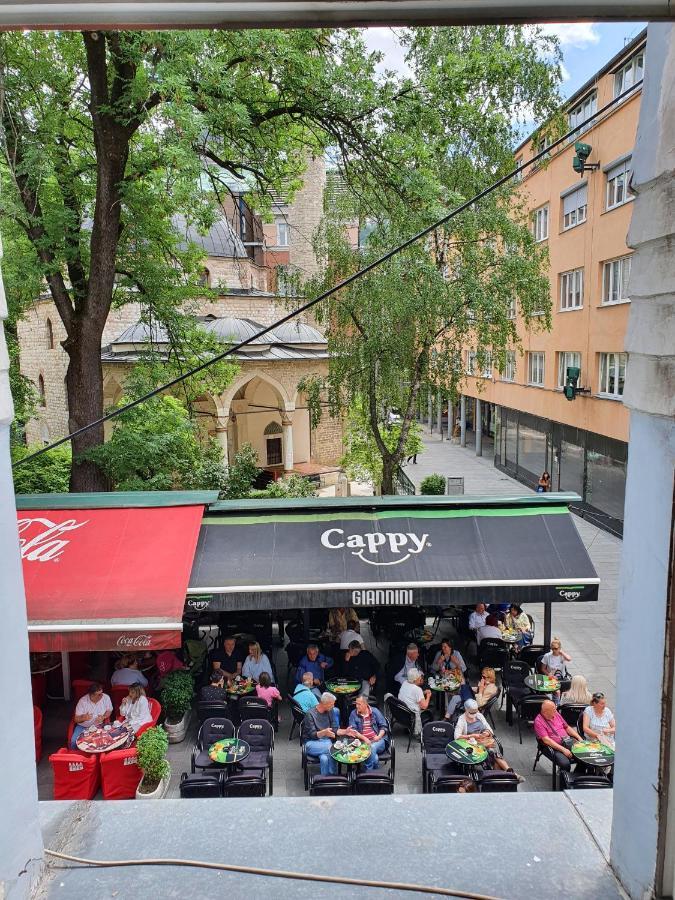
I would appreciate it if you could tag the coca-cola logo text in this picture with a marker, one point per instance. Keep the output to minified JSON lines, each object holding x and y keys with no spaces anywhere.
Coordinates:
{"x":47,"y":544}
{"x":134,"y":640}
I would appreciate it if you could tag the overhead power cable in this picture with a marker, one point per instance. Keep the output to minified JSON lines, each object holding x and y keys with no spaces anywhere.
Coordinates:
{"x":338,"y":287}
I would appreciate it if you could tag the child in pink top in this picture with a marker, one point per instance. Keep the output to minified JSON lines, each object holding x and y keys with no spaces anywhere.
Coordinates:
{"x":266,"y":689}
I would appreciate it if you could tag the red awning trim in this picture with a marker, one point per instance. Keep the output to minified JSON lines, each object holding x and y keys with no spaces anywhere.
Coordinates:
{"x":103,"y":639}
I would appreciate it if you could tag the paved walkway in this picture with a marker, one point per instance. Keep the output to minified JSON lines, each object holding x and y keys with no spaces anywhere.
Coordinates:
{"x":587,"y":631}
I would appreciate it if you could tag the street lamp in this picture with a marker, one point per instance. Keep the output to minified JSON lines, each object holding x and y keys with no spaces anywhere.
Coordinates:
{"x":579,"y":164}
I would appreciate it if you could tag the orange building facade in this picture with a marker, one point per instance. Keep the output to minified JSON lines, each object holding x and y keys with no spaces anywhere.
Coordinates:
{"x":583,"y":221}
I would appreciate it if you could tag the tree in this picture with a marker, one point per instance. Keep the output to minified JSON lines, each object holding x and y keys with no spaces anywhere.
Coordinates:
{"x":363,"y":458}
{"x":47,"y":474}
{"x":111,"y":135}
{"x":403,"y":328}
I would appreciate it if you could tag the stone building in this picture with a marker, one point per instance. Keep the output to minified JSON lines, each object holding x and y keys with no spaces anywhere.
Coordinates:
{"x":264,"y":405}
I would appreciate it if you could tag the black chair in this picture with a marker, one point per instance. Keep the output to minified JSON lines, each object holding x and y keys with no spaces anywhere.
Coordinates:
{"x":400,"y":714}
{"x":298,"y":716}
{"x":373,"y":783}
{"x":514,"y":673}
{"x":246,"y":785}
{"x":294,"y":652}
{"x":493,"y":653}
{"x":527,"y":708}
{"x":532,"y":653}
{"x":250,"y":707}
{"x":435,"y":738}
{"x":259,"y":735}
{"x":583,"y":781}
{"x":489,"y":706}
{"x":192,"y":786}
{"x":572,"y":712}
{"x":388,"y":755}
{"x":547,"y":753}
{"x":446,"y":784}
{"x":532,"y":625}
{"x":212,"y":709}
{"x":329,"y":785}
{"x":211,"y":731}
{"x":308,"y":762}
{"x":490,"y":782}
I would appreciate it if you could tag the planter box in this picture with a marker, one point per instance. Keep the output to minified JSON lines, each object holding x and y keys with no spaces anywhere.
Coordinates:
{"x":177,"y":730}
{"x":158,"y":793}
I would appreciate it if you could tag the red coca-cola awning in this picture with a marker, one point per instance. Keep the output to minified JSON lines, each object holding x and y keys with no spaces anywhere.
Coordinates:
{"x":107,"y":578}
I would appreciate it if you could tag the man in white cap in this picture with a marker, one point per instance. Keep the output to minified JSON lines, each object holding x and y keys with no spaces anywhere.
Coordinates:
{"x":474,"y":724}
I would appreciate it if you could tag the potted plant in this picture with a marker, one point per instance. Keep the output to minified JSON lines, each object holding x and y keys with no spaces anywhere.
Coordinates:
{"x":433,"y":484}
{"x":176,"y":698}
{"x":151,"y":748}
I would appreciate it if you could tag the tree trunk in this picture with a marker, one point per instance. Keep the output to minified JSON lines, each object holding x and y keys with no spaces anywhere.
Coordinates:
{"x":388,"y":470}
{"x":84,"y":387}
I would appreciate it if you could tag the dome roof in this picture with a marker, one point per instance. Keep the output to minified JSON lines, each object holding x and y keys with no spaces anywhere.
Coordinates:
{"x":298,"y":333}
{"x":232,"y":330}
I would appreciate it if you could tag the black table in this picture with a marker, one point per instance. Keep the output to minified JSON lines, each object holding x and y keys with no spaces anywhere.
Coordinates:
{"x":458,"y":751}
{"x":542,"y":684}
{"x":345,"y":689}
{"x":593,"y":753}
{"x":342,"y":757}
{"x":229,"y":751}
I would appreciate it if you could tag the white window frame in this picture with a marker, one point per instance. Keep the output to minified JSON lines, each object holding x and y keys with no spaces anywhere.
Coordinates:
{"x":610,"y":366}
{"x":567,"y":358}
{"x":578,"y":212}
{"x":536,"y":363}
{"x":615,"y":278}
{"x":518,"y":177}
{"x":283,"y":232}
{"x":629,"y":73}
{"x":618,"y":179}
{"x":509,"y":373}
{"x":512,"y":309}
{"x":571,"y":290}
{"x":471,"y":357}
{"x":540,"y":223}
{"x":586,"y":107}
{"x":470,"y":362}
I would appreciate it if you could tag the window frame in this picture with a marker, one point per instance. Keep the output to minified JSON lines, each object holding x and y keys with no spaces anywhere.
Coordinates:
{"x":626,"y":168}
{"x":541,"y":369}
{"x":578,"y":220}
{"x":612,"y":362}
{"x":577,"y":112}
{"x":544,"y":210}
{"x":629,"y":65}
{"x":510,"y":367}
{"x":564,"y":363}
{"x":623,"y":278}
{"x":282,"y":225}
{"x":577,"y":290}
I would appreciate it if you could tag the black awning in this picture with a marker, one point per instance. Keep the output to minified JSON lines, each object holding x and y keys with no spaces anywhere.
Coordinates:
{"x":421,"y":555}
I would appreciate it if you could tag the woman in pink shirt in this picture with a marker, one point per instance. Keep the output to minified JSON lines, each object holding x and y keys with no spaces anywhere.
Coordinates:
{"x":266,"y":689}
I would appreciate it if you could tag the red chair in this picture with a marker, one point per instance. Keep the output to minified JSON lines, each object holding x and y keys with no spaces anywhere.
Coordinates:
{"x":37,"y":729}
{"x":120,"y":774}
{"x":80,"y":686}
{"x":71,"y":728}
{"x":117,"y":693}
{"x":155,"y":712}
{"x":39,"y":686}
{"x":77,"y":776}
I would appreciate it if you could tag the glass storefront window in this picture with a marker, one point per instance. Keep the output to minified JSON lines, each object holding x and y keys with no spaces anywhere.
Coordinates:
{"x":511,"y":443}
{"x":571,"y":468}
{"x":531,"y":450}
{"x":605,"y":483}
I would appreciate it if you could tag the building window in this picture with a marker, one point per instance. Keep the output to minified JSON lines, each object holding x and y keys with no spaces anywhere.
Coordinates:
{"x":575,"y":205}
{"x":535,"y":368}
{"x":572,"y":289}
{"x":41,"y":391}
{"x":274,"y":447}
{"x":518,"y":177}
{"x":204,"y":279}
{"x":509,"y":373}
{"x":471,"y":358}
{"x":630,"y":73}
{"x":612,"y":374}
{"x":540,"y":223}
{"x":618,"y":178}
{"x":50,"y":334}
{"x":283,"y":232}
{"x":565,"y":360}
{"x":584,"y":110}
{"x":615,"y":277}
{"x":511,"y":309}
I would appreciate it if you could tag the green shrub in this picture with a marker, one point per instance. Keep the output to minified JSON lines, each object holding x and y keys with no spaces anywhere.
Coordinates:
{"x":151,"y":747}
{"x":48,"y":474}
{"x":433,"y":484}
{"x":176,"y":695}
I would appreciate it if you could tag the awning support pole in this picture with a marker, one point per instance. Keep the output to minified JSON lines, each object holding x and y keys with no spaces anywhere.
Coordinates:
{"x":547,"y":624}
{"x":65,"y":671}
{"x":305,"y":623}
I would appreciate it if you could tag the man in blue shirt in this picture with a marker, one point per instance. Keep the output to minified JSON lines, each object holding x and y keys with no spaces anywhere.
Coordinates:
{"x":368,"y":723}
{"x":305,"y":695}
{"x":313,"y":662}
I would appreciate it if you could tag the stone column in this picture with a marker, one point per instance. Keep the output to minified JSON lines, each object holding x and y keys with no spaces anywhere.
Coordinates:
{"x":462,"y":421}
{"x":478,"y":426}
{"x":439,"y":413}
{"x":221,"y":437}
{"x":287,"y":425}
{"x":430,"y":412}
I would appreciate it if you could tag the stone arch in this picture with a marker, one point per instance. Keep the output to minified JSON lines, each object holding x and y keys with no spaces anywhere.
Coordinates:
{"x":273,"y":428}
{"x":224,"y":402}
{"x":112,"y":391}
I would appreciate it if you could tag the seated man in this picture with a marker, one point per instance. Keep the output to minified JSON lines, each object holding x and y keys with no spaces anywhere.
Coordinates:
{"x":411,"y":660}
{"x":320,"y":727}
{"x":313,"y":662}
{"x":95,"y":708}
{"x":367,"y":723}
{"x":228,"y":658}
{"x":416,"y":699}
{"x":360,"y":665}
{"x":555,"y":735}
{"x":474,"y":724}
{"x":351,"y":634}
{"x":214,"y":691}
{"x":305,"y":694}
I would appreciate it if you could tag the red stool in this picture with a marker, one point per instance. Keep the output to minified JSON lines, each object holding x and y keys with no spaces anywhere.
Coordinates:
{"x":77,"y":776}
{"x":39,"y":686}
{"x":120,"y":774}
{"x":37,"y":729}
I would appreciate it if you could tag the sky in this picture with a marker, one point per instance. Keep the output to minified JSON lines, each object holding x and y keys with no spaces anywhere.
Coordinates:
{"x":586,"y":47}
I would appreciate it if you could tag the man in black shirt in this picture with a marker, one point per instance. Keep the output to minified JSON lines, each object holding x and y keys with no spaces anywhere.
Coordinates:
{"x":228,"y":658}
{"x":360,"y":665}
{"x":215,"y":692}
{"x":320,"y":727}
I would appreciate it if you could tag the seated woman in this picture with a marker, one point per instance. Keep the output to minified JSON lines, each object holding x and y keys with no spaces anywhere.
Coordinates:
{"x":517,"y":620}
{"x":555,"y":662}
{"x":135,"y":709}
{"x":448,"y":659}
{"x":599,"y":724}
{"x":473,"y":724}
{"x":126,"y":672}
{"x":256,"y":663}
{"x":578,"y":692}
{"x":266,"y":690}
{"x":486,"y":688}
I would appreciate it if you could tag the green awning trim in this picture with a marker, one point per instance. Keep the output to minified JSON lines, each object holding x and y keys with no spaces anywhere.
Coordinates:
{"x":116,"y":500}
{"x":385,"y":514}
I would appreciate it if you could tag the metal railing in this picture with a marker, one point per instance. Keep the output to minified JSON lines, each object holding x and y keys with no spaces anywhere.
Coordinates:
{"x":403,"y":486}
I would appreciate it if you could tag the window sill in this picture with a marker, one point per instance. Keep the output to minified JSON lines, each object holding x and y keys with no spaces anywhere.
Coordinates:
{"x":564,"y":230}
{"x":571,"y":309}
{"x":609,"y":209}
{"x":541,"y":240}
{"x":542,"y":387}
{"x":615,"y":397}
{"x":606,"y":303}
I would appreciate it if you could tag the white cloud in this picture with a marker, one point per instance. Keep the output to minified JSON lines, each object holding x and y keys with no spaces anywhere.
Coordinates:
{"x":574,"y":34}
{"x":385,"y":41}
{"x":565,"y":72}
